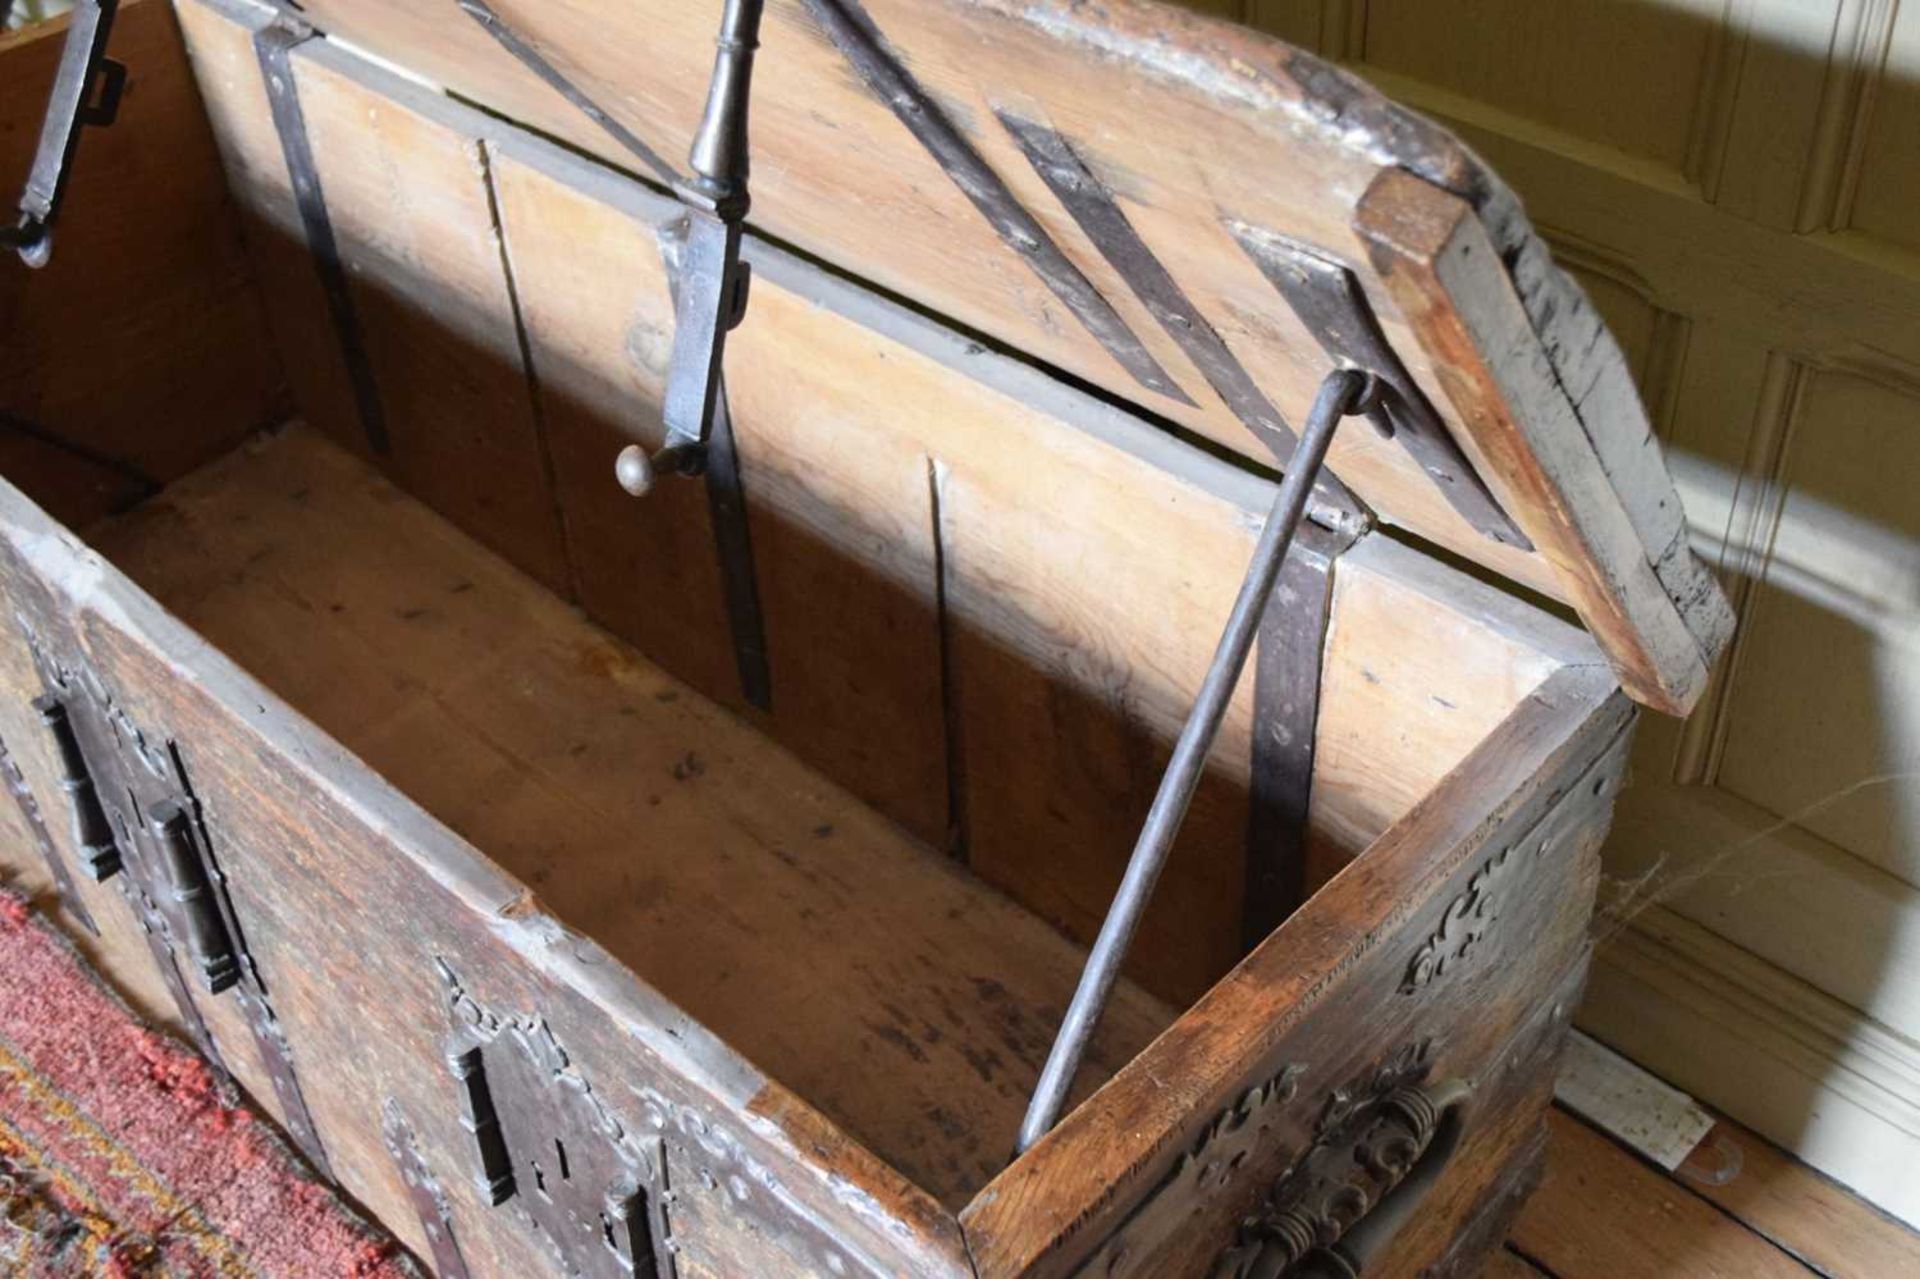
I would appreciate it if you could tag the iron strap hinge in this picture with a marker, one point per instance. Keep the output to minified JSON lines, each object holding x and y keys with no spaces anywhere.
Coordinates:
{"x":1287,"y":660}
{"x":1327,"y":298}
{"x":86,"y":91}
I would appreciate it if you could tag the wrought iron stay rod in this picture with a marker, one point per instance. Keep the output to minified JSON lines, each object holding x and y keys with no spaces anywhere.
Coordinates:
{"x":712,"y":294}
{"x":86,"y":91}
{"x":1344,"y":393}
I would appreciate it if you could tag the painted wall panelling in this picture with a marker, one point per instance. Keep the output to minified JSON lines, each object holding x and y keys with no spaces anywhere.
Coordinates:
{"x":1737,"y":184}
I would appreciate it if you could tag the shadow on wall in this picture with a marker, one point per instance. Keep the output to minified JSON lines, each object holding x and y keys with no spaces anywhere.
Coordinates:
{"x":1735,"y":187}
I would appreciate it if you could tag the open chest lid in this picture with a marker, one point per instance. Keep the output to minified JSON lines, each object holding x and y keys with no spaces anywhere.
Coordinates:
{"x":1193,"y":217}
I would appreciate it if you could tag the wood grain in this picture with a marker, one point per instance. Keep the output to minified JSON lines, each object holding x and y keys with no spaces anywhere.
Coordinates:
{"x":1510,"y":1265}
{"x":852,"y":418}
{"x":859,"y":421}
{"x":1597,"y":1214}
{"x":906,"y":1000}
{"x":139,"y":352}
{"x":219,"y":37}
{"x":594,"y":302}
{"x":1242,"y":129}
{"x":1431,"y":252}
{"x":1556,"y":758}
{"x":1410,"y":685}
{"x":350,"y":895}
{"x":1802,"y":1212}
{"x":401,"y":653}
{"x":402,"y":177}
{"x":837,"y":490}
{"x":406,"y":189}
{"x":1059,"y":693}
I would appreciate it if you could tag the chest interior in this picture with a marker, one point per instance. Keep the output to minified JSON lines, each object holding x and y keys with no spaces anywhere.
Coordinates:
{"x":844,"y":760}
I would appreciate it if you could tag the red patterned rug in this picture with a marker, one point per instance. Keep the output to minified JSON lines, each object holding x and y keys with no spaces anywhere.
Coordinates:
{"x":120,"y":1156}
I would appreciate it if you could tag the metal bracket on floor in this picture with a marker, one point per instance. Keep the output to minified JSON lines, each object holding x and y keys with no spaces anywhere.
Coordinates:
{"x":86,"y":91}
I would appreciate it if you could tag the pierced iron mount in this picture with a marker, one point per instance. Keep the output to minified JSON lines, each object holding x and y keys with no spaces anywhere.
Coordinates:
{"x":713,"y":284}
{"x":1344,"y":393}
{"x":86,"y":91}
{"x":135,"y":817}
{"x":547,"y":1147}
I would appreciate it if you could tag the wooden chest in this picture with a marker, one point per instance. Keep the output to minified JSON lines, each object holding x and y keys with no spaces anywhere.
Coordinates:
{"x":693,"y":884}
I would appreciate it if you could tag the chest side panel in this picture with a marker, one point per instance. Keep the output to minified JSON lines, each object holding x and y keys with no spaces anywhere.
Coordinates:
{"x":1440,"y":962}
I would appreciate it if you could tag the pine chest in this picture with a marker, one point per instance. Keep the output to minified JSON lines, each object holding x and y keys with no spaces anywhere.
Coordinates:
{"x":694,"y":883}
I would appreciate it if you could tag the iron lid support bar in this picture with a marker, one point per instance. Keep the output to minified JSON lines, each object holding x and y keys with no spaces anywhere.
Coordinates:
{"x":1344,"y":393}
{"x":86,"y":90}
{"x":713,"y":285}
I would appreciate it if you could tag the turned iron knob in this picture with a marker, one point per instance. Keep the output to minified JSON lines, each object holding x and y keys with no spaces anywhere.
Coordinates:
{"x":32,"y":239}
{"x":637,"y":472}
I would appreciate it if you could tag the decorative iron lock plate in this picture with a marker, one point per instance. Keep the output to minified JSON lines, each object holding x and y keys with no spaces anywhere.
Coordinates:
{"x":547,"y":1147}
{"x":135,"y":817}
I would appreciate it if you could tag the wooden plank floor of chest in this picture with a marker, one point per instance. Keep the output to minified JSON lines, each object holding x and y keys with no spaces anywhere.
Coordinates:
{"x":695,"y":884}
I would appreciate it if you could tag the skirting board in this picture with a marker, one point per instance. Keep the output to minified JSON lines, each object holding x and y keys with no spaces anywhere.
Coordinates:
{"x":1837,"y":1089}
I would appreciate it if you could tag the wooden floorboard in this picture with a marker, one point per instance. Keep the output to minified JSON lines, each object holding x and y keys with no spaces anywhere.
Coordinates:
{"x":1800,"y":1210}
{"x":1738,"y":1207}
{"x":907,"y":1000}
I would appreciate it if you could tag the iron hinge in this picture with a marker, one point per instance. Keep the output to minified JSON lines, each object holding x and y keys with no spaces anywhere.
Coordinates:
{"x":712,"y":296}
{"x":1329,"y":301}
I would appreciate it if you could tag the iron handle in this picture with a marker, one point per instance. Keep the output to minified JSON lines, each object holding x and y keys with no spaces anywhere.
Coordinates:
{"x":195,"y":896}
{"x":1416,"y":1137}
{"x":91,"y":829}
